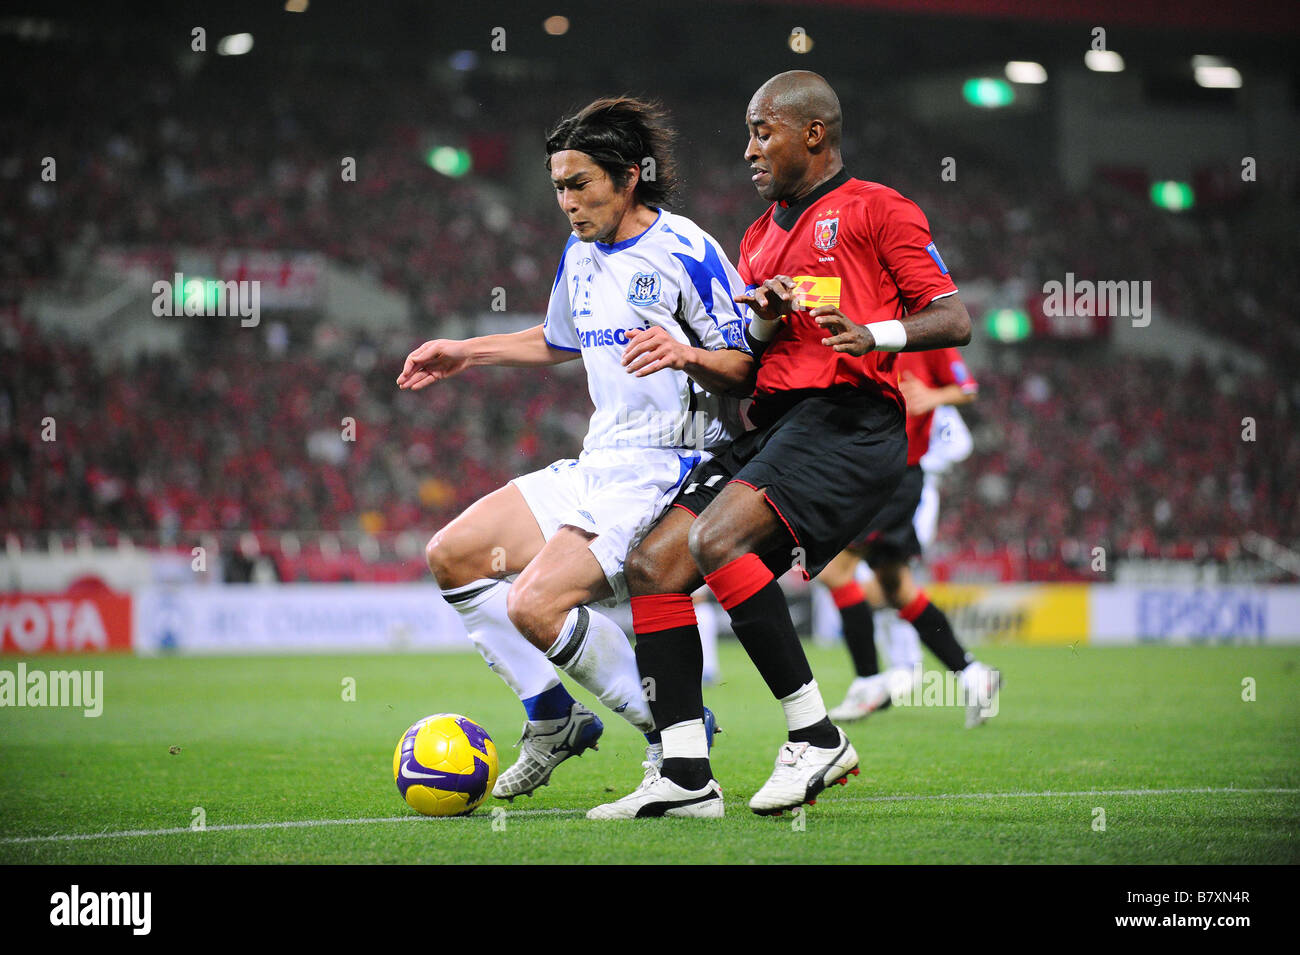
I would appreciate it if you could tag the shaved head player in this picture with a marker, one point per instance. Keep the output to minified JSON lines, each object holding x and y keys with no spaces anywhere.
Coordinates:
{"x":841,"y":274}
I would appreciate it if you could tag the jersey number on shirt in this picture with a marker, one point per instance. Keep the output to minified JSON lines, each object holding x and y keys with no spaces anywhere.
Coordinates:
{"x":582,"y":295}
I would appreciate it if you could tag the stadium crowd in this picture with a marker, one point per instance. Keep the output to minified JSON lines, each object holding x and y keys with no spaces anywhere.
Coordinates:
{"x":1130,"y":454}
{"x":1152,"y":462}
{"x":1072,"y":449}
{"x":150,"y":156}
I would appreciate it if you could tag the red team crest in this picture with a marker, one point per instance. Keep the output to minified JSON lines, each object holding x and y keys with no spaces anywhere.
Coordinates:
{"x":826,"y":233}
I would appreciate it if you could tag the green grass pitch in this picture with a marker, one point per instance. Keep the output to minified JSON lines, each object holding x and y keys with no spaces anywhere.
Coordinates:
{"x":1158,"y":738}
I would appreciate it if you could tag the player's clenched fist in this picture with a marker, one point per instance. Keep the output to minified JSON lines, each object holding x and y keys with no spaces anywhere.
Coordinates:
{"x":845,"y":335}
{"x":433,"y":361}
{"x":653,"y":349}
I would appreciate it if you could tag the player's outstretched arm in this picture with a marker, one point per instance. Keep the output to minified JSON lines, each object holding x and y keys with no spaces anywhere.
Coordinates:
{"x":443,"y":358}
{"x":726,"y":371}
{"x":943,"y":323}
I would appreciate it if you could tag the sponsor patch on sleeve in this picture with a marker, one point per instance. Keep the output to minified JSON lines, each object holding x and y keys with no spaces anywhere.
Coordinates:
{"x":938,"y":260}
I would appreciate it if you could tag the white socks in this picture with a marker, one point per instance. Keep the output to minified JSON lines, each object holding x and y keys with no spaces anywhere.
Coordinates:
{"x":904,"y":646}
{"x":685,"y":740}
{"x":706,"y":616}
{"x":804,"y":707}
{"x":482,"y":608}
{"x":974,"y":679}
{"x":593,"y":650}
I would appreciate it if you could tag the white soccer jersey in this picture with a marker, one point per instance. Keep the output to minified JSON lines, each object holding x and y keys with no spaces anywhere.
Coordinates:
{"x":673,"y":275}
{"x":950,"y":441}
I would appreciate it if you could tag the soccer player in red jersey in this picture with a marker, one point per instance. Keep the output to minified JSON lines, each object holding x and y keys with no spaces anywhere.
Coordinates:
{"x":842,"y":274}
{"x":928,"y":380}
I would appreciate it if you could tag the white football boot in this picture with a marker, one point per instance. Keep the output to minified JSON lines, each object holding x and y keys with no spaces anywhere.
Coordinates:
{"x":543,"y":746}
{"x":802,"y":771}
{"x":659,"y":796}
{"x":900,"y":681}
{"x":866,"y":695}
{"x":980,"y":685}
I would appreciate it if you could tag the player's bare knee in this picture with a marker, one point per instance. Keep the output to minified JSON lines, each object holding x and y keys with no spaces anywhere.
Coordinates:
{"x":904,"y":594}
{"x":437,"y":556}
{"x":521,"y":605}
{"x":891,"y":597}
{"x":641,"y":570}
{"x":712,"y":545}
{"x":450,"y":561}
{"x":891,"y":585}
{"x":530,"y":610}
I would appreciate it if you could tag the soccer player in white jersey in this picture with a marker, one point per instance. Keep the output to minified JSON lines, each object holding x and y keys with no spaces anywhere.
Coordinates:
{"x":644,"y":298}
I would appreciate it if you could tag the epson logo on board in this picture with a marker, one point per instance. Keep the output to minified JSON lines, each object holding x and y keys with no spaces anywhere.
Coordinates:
{"x":1202,"y":615}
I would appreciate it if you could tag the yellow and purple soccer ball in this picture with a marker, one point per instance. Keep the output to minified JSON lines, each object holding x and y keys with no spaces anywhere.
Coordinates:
{"x":445,"y":765}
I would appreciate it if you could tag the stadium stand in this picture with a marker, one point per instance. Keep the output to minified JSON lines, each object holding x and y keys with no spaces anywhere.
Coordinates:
{"x":240,"y":432}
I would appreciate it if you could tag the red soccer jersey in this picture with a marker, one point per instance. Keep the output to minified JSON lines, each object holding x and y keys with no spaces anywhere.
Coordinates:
{"x":937,"y":368}
{"x":851,"y":243}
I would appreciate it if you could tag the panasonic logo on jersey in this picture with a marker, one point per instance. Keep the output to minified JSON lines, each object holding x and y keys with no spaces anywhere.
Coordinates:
{"x":604,"y":336}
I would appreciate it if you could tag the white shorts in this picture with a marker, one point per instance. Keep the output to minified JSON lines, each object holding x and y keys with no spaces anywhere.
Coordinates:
{"x":614,"y":493}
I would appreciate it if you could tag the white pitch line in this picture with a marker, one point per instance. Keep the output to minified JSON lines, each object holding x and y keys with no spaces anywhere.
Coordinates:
{"x":316,"y":823}
{"x":250,"y":826}
{"x":1050,"y":794}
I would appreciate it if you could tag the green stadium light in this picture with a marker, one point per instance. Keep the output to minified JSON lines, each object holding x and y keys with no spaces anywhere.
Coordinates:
{"x":195,"y":289}
{"x":1007,"y":324}
{"x":449,"y":161}
{"x":1172,"y":196}
{"x":988,"y":93}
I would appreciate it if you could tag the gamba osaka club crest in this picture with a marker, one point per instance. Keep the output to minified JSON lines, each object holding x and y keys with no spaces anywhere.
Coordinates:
{"x":826,"y":232}
{"x":644,"y":289}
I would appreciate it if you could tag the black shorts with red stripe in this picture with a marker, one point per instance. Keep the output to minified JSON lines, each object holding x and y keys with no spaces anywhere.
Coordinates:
{"x":891,"y":535}
{"x":826,"y":460}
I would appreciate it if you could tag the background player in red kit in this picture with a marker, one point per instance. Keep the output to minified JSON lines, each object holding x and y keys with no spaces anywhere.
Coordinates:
{"x":827,"y":453}
{"x":928,"y":379}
